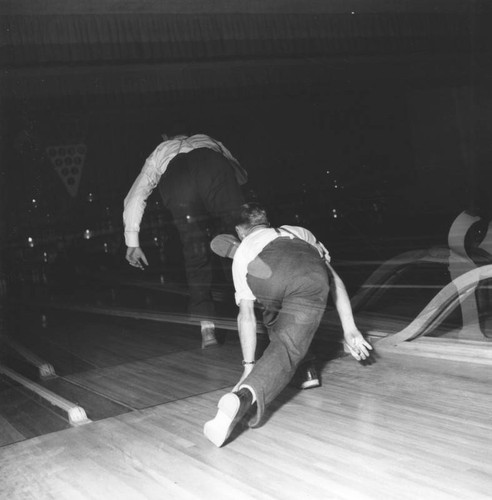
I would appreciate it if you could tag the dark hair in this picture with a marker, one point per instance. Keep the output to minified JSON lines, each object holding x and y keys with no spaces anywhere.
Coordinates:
{"x":251,"y":215}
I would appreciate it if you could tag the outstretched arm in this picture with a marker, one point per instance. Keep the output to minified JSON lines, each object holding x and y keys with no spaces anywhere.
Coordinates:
{"x":246,"y":322}
{"x":134,"y":207}
{"x":354,"y":341}
{"x":136,"y":199}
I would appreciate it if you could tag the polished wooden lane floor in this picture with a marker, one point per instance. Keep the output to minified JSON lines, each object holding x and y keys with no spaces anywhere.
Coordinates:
{"x":403,"y":427}
{"x":111,"y":366}
{"x":400,"y":428}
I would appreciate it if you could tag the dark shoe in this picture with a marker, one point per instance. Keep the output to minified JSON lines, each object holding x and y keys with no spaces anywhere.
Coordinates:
{"x":225,"y":245}
{"x":311,"y":378}
{"x":208,"y":338}
{"x":306,"y":377}
{"x":232,"y":408}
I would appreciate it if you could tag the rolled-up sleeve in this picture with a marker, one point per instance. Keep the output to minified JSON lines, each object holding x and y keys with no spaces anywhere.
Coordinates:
{"x":136,"y":199}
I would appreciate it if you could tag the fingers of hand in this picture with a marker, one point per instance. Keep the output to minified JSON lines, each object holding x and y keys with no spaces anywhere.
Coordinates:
{"x":135,"y":263}
{"x":353,"y":351}
{"x":360,"y":349}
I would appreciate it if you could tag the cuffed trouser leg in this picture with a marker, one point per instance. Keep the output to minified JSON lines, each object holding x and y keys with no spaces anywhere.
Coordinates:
{"x":294,"y":294}
{"x":290,"y":338}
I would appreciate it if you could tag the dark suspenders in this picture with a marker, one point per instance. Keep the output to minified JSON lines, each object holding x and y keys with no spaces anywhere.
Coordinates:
{"x":277,"y":230}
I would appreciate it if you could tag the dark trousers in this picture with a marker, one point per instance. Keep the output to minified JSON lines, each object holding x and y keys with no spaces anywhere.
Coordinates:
{"x":294,"y":294}
{"x":202,"y":193}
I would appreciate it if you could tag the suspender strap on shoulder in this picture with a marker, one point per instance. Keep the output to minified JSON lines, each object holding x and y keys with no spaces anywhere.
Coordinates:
{"x":292,"y":235}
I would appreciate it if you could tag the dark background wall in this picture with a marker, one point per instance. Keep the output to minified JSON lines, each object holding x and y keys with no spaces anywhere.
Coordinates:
{"x":407,"y":150}
{"x":368,"y":123}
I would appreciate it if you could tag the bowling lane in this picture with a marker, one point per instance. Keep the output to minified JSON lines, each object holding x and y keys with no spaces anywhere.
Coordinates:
{"x":130,"y":364}
{"x":78,"y":341}
{"x":111,"y":365}
{"x":166,"y":378}
{"x":22,"y":416}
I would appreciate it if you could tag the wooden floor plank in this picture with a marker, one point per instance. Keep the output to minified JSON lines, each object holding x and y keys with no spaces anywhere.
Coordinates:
{"x":399,"y":429}
{"x":22,"y":412}
{"x":96,"y":406}
{"x":165,"y":378}
{"x":8,"y":433}
{"x":402,"y":427}
{"x":78,"y":342}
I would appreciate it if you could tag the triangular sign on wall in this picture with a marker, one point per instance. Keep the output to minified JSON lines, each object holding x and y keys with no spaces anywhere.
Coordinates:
{"x":68,"y":161}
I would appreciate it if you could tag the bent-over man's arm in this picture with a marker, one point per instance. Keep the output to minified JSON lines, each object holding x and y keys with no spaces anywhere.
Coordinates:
{"x":246,"y":323}
{"x":355,"y":342}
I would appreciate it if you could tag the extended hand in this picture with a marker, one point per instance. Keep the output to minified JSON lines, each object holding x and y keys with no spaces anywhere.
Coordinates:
{"x":136,"y":257}
{"x":247,"y":370}
{"x":357,"y":345}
